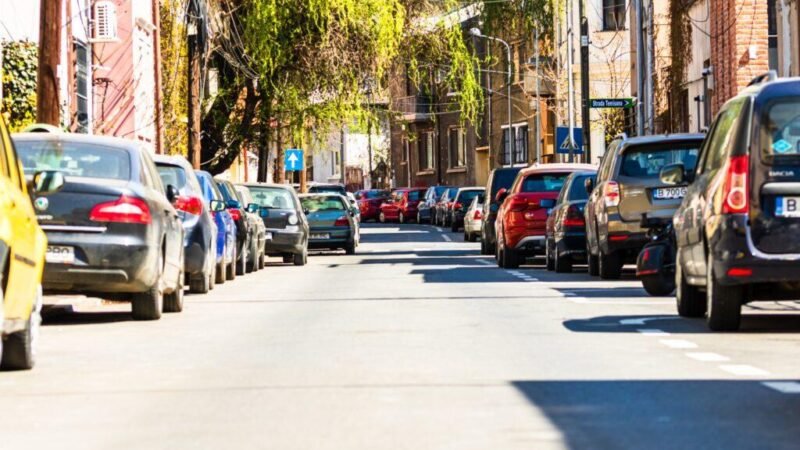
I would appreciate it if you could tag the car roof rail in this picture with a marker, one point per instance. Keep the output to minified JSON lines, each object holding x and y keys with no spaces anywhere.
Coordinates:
{"x":771,"y":75}
{"x":623,"y":136}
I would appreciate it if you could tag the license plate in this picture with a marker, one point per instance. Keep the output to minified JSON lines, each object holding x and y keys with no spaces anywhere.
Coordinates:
{"x":669,"y":193}
{"x":57,"y":254}
{"x":268,"y":236}
{"x":320,"y":236}
{"x":787,"y":207}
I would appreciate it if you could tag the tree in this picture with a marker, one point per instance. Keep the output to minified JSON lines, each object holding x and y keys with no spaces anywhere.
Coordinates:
{"x":20,"y":61}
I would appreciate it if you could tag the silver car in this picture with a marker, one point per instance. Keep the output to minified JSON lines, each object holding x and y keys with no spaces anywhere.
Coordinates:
{"x":472,"y":219}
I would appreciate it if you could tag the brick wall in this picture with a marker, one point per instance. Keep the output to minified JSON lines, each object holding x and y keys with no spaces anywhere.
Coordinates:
{"x":736,"y":25}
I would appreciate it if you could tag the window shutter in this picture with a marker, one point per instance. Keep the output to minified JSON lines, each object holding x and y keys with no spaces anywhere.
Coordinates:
{"x":105,"y":21}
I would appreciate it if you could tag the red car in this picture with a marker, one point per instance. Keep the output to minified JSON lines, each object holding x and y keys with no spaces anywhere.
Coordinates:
{"x":369,"y":203}
{"x":522,"y":219}
{"x":402,"y":205}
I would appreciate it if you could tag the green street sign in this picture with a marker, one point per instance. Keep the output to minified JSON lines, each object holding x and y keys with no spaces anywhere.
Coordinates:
{"x":626,"y":103}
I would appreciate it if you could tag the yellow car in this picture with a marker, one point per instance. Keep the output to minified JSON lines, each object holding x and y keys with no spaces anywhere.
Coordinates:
{"x":22,"y":256}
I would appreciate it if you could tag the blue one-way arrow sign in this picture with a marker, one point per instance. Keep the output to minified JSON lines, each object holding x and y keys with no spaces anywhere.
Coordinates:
{"x":293,"y":159}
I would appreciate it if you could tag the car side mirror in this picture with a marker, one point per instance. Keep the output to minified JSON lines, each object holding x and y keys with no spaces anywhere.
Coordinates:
{"x":172,"y":193}
{"x":305,"y":211}
{"x":233,"y":204}
{"x":547,"y":203}
{"x":501,"y":195}
{"x":352,"y":213}
{"x":589,"y":185}
{"x":47,"y":182}
{"x":673,"y":174}
{"x":253,"y":208}
{"x":217,"y":206}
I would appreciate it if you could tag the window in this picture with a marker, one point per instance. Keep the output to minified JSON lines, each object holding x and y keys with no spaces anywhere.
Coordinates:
{"x":772,"y":34}
{"x":613,"y":15}
{"x":272,"y":198}
{"x":457,"y":140}
{"x":605,"y":164}
{"x":506,"y":147}
{"x":75,"y":159}
{"x":520,"y":154}
{"x":781,"y":132}
{"x":544,"y":182}
{"x":425,"y":150}
{"x":721,"y":141}
{"x":647,"y":162}
{"x":82,"y":92}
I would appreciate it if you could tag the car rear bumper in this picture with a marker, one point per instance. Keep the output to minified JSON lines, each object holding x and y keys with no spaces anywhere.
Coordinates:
{"x":623,"y":236}
{"x":337,"y":237}
{"x":571,"y":243}
{"x":284,"y":242}
{"x":534,"y":245}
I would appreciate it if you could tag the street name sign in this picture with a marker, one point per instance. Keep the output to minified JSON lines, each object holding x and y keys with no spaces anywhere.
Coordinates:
{"x":626,"y":103}
{"x":293,"y":159}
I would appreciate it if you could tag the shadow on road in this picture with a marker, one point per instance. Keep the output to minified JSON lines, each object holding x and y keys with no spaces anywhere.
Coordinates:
{"x":751,"y":323}
{"x":666,"y":414}
{"x":465,"y":275}
{"x":85,"y":318}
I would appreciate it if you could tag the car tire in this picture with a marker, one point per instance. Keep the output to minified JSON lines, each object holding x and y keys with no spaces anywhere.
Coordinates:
{"x":241,"y":262}
{"x":550,"y":263}
{"x":212,"y":278}
{"x":508,"y":258}
{"x":689,"y":300}
{"x":401,"y":218}
{"x":230,"y":269}
{"x":453,"y":226}
{"x":723,"y":303}
{"x":419,"y":218}
{"x":262,"y":261}
{"x":200,"y":283}
{"x":658,"y":285}
{"x":350,"y":249}
{"x":219,"y":273}
{"x":19,"y":349}
{"x":562,"y":264}
{"x":300,"y":259}
{"x":173,"y":302}
{"x":485,"y":247}
{"x":610,"y":266}
{"x":592,"y":264}
{"x":382,"y":217}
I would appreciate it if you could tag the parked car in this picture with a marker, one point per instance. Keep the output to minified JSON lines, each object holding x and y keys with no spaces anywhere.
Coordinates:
{"x":244,"y":224}
{"x":326,"y":188}
{"x":401,"y":205}
{"x":499,"y":179}
{"x":258,"y":236}
{"x":441,"y":210}
{"x":199,"y":230}
{"x":628,"y":188}
{"x":461,"y":202}
{"x":566,"y":226}
{"x":425,"y":212}
{"x":522,"y":218}
{"x":370,"y":201}
{"x":472,"y":219}
{"x":738,"y":225}
{"x":226,"y":229}
{"x":353,"y":203}
{"x":283,"y":217}
{"x":112,"y":225}
{"x":331,"y":222}
{"x":22,"y":237}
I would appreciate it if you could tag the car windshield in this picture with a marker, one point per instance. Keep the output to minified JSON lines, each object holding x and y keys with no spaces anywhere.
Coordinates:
{"x":413,"y":195}
{"x":783,"y":130}
{"x":648,"y":162}
{"x":75,"y":159}
{"x":271,"y":198}
{"x":466,"y":197}
{"x":440,"y":191}
{"x":503,"y":179}
{"x":544,"y":182}
{"x":324,"y":189}
{"x":372,"y":194}
{"x":577,"y":190}
{"x":244,"y":194}
{"x":319,"y":203}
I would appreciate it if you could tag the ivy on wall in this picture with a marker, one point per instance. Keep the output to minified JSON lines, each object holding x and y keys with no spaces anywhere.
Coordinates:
{"x":20,"y":59}
{"x":680,"y":40}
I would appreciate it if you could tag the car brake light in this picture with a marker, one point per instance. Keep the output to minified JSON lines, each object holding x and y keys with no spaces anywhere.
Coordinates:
{"x":457,"y":206}
{"x":735,"y":188}
{"x":739,"y":272}
{"x":617,"y":237}
{"x":236,"y":215}
{"x":477,"y":215}
{"x":573,"y":218}
{"x":123,"y":210}
{"x":191,"y":205}
{"x":341,"y":222}
{"x":611,"y":193}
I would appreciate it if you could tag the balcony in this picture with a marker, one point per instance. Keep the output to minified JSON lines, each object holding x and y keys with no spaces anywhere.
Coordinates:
{"x":414,"y":108}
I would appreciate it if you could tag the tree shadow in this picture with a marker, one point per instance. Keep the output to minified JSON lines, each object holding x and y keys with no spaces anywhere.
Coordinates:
{"x":674,"y":324}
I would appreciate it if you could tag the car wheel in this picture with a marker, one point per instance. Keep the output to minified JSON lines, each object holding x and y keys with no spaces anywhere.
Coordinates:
{"x":262,"y":261}
{"x":382,"y":217}
{"x":401,"y":218}
{"x":485,"y":247}
{"x":173,"y":302}
{"x":300,"y":259}
{"x":562,"y":263}
{"x":419,"y":218}
{"x":550,"y":264}
{"x":219,"y":273}
{"x":148,"y":305}
{"x":252,"y":263}
{"x":212,"y":277}
{"x":593,"y":265}
{"x":610,"y":266}
{"x":689,"y":299}
{"x":350,"y":249}
{"x":453,"y":226}
{"x":241,"y":263}
{"x":723,"y":303}
{"x":230,"y":269}
{"x":658,"y":285}
{"x":508,"y":258}
{"x":200,"y":283}
{"x":287,"y":258}
{"x":19,"y":349}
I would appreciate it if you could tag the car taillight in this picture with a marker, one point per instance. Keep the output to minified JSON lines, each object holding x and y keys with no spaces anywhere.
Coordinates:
{"x":191,"y":205}
{"x":611,"y":193}
{"x":341,"y":222}
{"x":573,"y":218}
{"x":457,"y":206}
{"x":236,"y":215}
{"x":477,"y":215}
{"x":735,"y":189}
{"x":123,"y":210}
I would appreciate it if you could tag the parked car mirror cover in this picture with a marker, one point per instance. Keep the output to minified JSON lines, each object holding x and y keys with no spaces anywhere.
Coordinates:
{"x":501,"y":195}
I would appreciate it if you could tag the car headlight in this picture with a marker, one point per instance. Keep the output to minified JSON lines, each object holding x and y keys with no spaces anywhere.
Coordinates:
{"x":293,"y":219}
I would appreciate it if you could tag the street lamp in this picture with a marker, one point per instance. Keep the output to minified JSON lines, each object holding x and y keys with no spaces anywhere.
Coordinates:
{"x":511,"y":138}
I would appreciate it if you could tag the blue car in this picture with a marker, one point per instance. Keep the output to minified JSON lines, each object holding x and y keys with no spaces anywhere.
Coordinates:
{"x":226,"y":230}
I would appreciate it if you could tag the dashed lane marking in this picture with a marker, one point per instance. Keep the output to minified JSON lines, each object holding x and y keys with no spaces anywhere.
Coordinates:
{"x":678,"y":343}
{"x":784,"y":387}
{"x":652,"y":332}
{"x":447,"y":238}
{"x":485,"y":262}
{"x":743,"y":370}
{"x":707,"y":356}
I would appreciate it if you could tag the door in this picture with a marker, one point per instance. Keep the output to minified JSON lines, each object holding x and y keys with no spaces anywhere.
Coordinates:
{"x":167,"y":215}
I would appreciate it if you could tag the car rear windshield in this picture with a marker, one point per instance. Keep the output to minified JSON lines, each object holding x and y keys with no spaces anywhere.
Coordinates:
{"x":271,"y":198}
{"x":647,"y":162}
{"x":173,"y":175}
{"x":372,"y":194}
{"x":503,"y":179}
{"x":440,"y":190}
{"x":544,"y":182}
{"x":782,"y":127}
{"x":577,"y":190}
{"x":413,"y":195}
{"x":466,"y":197}
{"x":323,"y":203}
{"x":327,"y":189}
{"x":75,"y":159}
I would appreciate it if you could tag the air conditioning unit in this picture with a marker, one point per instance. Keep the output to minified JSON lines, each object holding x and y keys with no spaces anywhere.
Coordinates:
{"x":105,"y":22}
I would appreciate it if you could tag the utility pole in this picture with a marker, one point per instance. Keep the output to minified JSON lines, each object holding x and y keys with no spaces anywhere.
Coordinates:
{"x":640,"y":69}
{"x":342,"y":150}
{"x":369,"y":152}
{"x":194,"y":85}
{"x":538,"y":98}
{"x":650,"y":65}
{"x":570,"y":83}
{"x":587,"y":142}
{"x":48,"y":108}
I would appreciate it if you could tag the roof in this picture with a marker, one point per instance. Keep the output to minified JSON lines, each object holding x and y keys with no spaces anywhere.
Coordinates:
{"x":109,"y":141}
{"x":557,"y":167}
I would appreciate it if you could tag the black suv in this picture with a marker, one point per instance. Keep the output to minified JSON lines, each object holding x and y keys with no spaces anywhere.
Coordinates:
{"x":499,"y":179}
{"x":627,"y":189}
{"x":737,"y":229}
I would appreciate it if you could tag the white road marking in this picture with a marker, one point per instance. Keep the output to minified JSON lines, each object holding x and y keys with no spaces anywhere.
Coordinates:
{"x":743,"y":370}
{"x":652,"y":332}
{"x":447,"y":238}
{"x":485,"y":261}
{"x":678,"y":343}
{"x":707,"y":356}
{"x":643,"y":320}
{"x":784,"y":387}
{"x":584,"y":300}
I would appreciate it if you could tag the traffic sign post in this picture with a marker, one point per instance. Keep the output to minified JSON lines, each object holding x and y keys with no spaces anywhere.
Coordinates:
{"x":562,"y":141}
{"x":293,"y":160}
{"x":625,"y":103}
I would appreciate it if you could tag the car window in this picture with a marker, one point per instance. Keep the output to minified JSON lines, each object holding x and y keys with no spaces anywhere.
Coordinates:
{"x":440,"y":190}
{"x":502,"y":179}
{"x":273,"y":198}
{"x":323,"y":203}
{"x":722,"y":140}
{"x":608,"y":158}
{"x":375,"y":194}
{"x":577,"y":189}
{"x":647,"y":161}
{"x":244,"y":194}
{"x":413,"y":195}
{"x":74,"y":159}
{"x":467,"y":196}
{"x":173,"y":175}
{"x":781,"y":128}
{"x":543,"y":182}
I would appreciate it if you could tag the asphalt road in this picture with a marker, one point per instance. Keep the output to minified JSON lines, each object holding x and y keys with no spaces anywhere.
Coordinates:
{"x":416,"y":342}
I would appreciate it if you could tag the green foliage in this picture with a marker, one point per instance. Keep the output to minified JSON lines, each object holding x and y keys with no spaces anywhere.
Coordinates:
{"x":20,"y":62}
{"x":680,"y":40}
{"x":173,"y":73}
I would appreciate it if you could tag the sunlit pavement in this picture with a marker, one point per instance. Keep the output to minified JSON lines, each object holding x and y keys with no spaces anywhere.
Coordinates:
{"x":415,"y":342}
